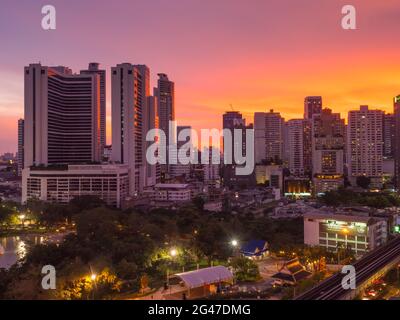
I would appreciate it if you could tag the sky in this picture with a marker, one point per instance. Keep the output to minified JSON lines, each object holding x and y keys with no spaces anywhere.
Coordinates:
{"x":250,"y":56}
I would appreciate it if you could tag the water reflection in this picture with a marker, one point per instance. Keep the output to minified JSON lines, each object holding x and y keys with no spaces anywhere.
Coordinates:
{"x":16,"y":247}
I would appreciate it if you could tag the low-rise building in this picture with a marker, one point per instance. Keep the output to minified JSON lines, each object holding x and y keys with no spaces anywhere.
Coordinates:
{"x":359,"y":233}
{"x":172,"y":192}
{"x":62,"y":183}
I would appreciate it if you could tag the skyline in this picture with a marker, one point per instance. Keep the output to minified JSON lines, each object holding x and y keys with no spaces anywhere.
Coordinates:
{"x":353,"y":68}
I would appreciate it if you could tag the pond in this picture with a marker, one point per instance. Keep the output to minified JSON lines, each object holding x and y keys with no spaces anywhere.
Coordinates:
{"x":16,"y":247}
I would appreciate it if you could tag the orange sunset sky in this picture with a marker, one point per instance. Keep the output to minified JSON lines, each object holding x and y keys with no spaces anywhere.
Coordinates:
{"x":256,"y":54}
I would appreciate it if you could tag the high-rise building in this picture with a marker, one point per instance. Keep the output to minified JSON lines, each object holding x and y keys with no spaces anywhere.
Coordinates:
{"x":151,"y":122}
{"x":94,"y":69}
{"x":61,"y":116}
{"x":328,"y":145}
{"x":296,"y":146}
{"x":130,"y":86}
{"x":312,"y":105}
{"x":268,"y":137}
{"x":233,"y":120}
{"x":388,"y":135}
{"x":396,"y":112}
{"x":176,"y":168}
{"x":365,"y":144}
{"x":165,"y":93}
{"x":20,"y":146}
{"x":211,"y":170}
{"x":307,"y":146}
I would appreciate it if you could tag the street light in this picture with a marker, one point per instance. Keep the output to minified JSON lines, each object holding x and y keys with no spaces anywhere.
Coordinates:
{"x":22,"y":217}
{"x":93,"y":277}
{"x":234,"y":243}
{"x":173,"y":252}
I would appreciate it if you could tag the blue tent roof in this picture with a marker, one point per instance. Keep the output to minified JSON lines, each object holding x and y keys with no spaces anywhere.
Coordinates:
{"x":254,"y":248}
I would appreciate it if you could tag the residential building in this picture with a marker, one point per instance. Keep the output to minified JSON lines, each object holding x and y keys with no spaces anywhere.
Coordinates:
{"x":268,"y":137}
{"x":61,"y":121}
{"x":365,"y":145}
{"x":20,"y":158}
{"x":93,"y":68}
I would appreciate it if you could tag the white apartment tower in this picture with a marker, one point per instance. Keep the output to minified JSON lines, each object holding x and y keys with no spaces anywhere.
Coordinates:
{"x":365,"y":143}
{"x":93,"y":68}
{"x":268,"y":136}
{"x":61,"y":116}
{"x":130,"y":92}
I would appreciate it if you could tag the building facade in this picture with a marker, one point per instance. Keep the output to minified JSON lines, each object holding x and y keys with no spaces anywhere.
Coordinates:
{"x":328,"y":146}
{"x":93,"y":68}
{"x":61,"y":116}
{"x":62,"y":183}
{"x":312,"y":105}
{"x":20,"y":158}
{"x":268,"y":137}
{"x":339,"y":231}
{"x":365,"y":144}
{"x":130,"y":89}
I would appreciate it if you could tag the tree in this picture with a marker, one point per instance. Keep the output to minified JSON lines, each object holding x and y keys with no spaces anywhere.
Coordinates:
{"x":198,"y":202}
{"x":87,"y":202}
{"x":363,"y":182}
{"x":245,"y":269}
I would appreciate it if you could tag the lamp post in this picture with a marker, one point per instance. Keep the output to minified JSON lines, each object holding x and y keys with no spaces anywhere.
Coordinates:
{"x":234,"y":244}
{"x":22,"y":217}
{"x":173,"y":253}
{"x":93,"y":279}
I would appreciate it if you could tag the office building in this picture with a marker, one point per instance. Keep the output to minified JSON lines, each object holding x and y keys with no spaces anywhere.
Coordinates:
{"x":358,"y":233}
{"x":62,"y":183}
{"x":268,"y":137}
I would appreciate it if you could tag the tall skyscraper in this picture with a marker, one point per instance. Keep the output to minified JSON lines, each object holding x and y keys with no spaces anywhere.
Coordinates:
{"x":20,"y":146}
{"x":165,"y":93}
{"x":312,"y":105}
{"x":328,"y":145}
{"x":151,"y":122}
{"x":388,"y":135}
{"x":296,"y":146}
{"x":61,"y":116}
{"x":130,"y":91}
{"x":396,"y":112}
{"x":232,"y":120}
{"x":365,"y":144}
{"x":268,"y":137}
{"x":94,"y":69}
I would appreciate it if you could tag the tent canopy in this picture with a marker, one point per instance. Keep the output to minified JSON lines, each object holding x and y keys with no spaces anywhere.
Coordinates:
{"x":201,"y":277}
